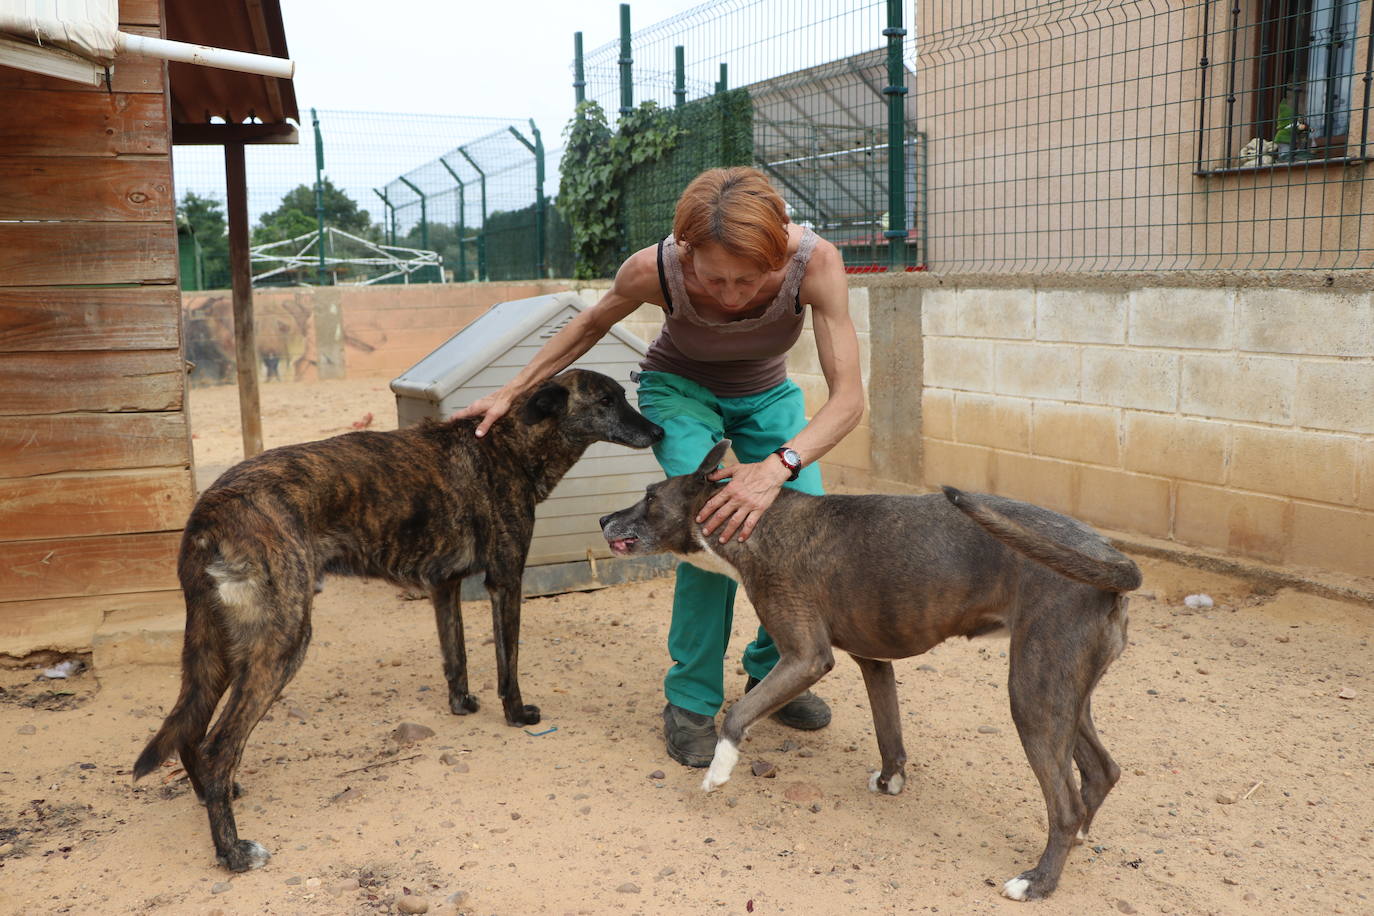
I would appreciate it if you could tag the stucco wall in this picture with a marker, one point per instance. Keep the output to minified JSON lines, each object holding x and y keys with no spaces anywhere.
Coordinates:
{"x":1228,"y":417}
{"x":305,"y":333}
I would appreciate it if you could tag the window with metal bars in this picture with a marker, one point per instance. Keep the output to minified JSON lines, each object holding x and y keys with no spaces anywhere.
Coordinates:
{"x":1285,"y":82}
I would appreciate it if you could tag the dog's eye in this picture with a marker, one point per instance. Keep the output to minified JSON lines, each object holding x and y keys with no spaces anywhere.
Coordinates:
{"x":606,"y":399}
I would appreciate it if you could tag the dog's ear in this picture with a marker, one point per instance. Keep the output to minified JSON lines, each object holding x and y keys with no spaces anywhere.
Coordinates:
{"x":549,"y":400}
{"x":713,"y":457}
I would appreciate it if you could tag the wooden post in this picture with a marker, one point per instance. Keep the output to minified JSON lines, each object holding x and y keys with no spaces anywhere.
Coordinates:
{"x":240,"y":272}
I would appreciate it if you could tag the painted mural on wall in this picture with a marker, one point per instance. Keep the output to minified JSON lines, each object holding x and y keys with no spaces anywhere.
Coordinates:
{"x":283,"y":325}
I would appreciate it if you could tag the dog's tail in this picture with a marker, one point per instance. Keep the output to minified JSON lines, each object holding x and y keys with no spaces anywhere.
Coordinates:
{"x":202,"y":684}
{"x":1068,"y":547}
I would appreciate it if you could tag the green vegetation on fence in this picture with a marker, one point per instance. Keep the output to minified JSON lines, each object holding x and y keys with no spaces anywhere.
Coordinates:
{"x":619,"y":187}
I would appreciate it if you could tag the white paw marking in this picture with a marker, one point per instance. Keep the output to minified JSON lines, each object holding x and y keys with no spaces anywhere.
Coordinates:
{"x":726,"y":756}
{"x":258,"y":855}
{"x":1081,"y":835}
{"x":894,"y":785}
{"x":1016,"y":888}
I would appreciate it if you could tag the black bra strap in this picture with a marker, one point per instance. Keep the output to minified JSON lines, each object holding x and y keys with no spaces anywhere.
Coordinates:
{"x":663,"y":280}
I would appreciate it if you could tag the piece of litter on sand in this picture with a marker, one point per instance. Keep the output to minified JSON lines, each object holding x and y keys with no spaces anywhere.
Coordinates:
{"x":1198,"y":600}
{"x":62,"y":669}
{"x":548,"y":731}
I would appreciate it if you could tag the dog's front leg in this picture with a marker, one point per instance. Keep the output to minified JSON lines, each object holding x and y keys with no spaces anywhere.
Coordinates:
{"x":448,"y":614}
{"x":505,"y":619}
{"x":789,"y":677}
{"x":887,"y":724}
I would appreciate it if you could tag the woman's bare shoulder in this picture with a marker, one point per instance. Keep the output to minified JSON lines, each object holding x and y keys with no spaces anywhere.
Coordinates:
{"x":638,"y":277}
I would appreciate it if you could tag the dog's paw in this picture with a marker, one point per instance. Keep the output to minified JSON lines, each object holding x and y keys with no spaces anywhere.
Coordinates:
{"x":245,"y":855}
{"x":523,"y":715}
{"x":462,"y":704}
{"x":726,"y":756}
{"x":1028,"y":885}
{"x":892,"y":786}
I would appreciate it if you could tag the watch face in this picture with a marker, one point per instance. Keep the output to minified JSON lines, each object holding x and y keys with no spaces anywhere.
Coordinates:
{"x":792,"y":459}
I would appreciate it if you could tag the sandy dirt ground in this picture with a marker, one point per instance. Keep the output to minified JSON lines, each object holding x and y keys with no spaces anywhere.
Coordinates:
{"x":1243,"y":732}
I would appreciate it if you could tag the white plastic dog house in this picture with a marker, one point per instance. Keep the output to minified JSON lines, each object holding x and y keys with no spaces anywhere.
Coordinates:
{"x":568,"y":552}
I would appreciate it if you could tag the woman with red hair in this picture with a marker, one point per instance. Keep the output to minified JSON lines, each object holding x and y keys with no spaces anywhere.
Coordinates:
{"x":733,"y":280}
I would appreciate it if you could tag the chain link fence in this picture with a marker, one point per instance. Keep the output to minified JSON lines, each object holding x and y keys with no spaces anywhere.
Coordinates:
{"x":823,"y":79}
{"x":347,"y":174}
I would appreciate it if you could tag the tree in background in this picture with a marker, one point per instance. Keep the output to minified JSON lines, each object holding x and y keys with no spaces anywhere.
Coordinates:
{"x":205,"y":215}
{"x":295,"y":216}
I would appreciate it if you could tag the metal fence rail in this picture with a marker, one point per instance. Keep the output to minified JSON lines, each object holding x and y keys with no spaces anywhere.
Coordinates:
{"x":363,"y":152}
{"x":488,"y":193}
{"x":824,"y":76}
{"x":1108,"y":136}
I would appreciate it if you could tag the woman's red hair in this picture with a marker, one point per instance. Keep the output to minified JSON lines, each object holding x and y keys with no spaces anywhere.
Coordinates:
{"x":737,"y":209}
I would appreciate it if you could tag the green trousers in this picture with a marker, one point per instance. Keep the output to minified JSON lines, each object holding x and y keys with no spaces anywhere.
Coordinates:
{"x":693,"y":420}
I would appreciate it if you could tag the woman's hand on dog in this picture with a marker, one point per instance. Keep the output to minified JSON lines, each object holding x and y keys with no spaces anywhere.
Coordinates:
{"x":740,"y":504}
{"x":490,"y":408}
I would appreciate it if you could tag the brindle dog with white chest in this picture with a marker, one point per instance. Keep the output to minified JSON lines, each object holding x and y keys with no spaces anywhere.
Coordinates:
{"x":887,"y":577}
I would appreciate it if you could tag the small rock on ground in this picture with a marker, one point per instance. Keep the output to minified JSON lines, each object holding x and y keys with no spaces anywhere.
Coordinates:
{"x":411,"y":905}
{"x":410,"y":732}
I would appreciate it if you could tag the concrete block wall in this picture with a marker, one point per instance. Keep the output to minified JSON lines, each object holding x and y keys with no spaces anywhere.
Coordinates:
{"x":1236,"y":419}
{"x":849,"y":463}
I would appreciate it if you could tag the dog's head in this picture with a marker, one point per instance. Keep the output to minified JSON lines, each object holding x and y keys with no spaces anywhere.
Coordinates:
{"x":589,"y":407}
{"x":664,"y":521}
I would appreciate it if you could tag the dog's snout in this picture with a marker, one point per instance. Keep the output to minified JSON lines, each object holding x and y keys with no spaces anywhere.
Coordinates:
{"x":603,"y":520}
{"x":657,"y":434}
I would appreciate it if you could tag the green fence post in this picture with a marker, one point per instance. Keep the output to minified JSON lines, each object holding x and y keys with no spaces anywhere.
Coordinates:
{"x":462,"y":229}
{"x":895,"y":90}
{"x":389,"y":227}
{"x":627,"y":89}
{"x":723,"y":83}
{"x":319,"y":197}
{"x":482,"y":232}
{"x":679,"y":76}
{"x":537,"y":148}
{"x":579,"y":76}
{"x":424,"y":217}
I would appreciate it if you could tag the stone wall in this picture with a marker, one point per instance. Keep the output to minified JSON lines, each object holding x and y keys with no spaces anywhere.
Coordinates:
{"x":1219,"y":414}
{"x":1229,"y":412}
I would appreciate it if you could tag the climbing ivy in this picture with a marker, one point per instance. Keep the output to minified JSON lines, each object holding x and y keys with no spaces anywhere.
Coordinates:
{"x":596,"y":161}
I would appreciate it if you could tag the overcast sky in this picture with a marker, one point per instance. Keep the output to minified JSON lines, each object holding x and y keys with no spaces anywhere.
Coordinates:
{"x":473,"y":57}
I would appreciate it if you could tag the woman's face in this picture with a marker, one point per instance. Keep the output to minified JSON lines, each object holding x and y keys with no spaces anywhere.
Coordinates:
{"x":730,"y":280}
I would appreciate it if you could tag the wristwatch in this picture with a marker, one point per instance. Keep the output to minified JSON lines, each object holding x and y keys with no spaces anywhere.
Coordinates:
{"x":791,"y":459}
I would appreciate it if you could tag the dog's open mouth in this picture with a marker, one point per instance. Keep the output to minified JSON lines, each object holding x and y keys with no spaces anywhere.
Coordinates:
{"x":622,"y":546}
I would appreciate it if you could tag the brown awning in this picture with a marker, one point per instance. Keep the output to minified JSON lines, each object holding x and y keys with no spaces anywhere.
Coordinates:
{"x":202,"y":93}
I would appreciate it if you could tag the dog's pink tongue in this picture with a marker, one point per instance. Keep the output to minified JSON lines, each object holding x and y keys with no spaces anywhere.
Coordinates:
{"x":622,"y":545}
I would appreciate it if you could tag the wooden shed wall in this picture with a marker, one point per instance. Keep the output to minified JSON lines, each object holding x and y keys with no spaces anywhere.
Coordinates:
{"x":95,"y":459}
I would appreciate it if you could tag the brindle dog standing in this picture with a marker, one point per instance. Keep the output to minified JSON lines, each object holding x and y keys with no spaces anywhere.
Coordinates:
{"x":885,"y":577}
{"x":420,"y":507}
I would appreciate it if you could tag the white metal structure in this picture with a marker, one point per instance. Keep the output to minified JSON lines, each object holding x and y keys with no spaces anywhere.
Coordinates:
{"x":301,"y":255}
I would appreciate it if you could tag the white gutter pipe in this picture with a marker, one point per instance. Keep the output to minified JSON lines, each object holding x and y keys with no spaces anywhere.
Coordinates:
{"x":202,"y":55}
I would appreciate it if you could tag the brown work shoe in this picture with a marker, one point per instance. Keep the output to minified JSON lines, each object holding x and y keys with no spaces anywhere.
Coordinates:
{"x":689,"y":736}
{"x":806,"y":711}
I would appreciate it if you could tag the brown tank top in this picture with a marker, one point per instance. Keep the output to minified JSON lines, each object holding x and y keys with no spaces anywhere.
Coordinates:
{"x":730,"y":359}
